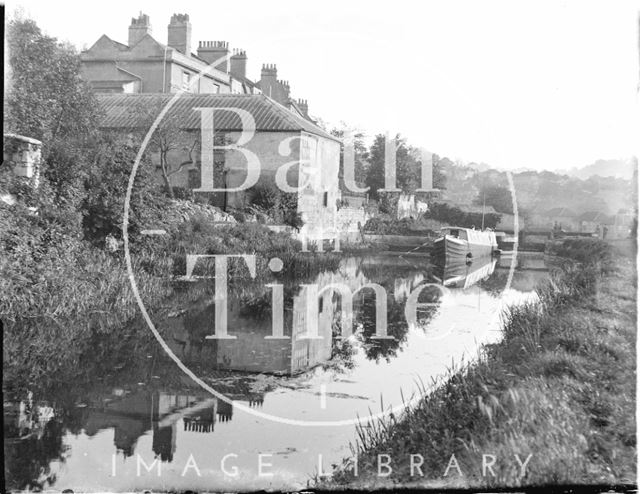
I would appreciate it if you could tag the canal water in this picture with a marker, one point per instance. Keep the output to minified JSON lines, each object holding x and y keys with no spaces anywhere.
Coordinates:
{"x":283,"y":409}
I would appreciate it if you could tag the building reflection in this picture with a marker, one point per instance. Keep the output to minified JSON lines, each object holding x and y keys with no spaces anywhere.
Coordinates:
{"x":132,"y":414}
{"x":308,"y":327}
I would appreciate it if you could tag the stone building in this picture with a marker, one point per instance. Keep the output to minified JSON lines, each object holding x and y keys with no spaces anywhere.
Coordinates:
{"x":280,"y":91}
{"x":144,"y":65}
{"x":23,"y":155}
{"x":280,"y":139}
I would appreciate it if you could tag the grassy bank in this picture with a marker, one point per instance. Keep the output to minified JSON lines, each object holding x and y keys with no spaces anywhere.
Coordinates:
{"x":60,"y":292}
{"x":560,"y":387}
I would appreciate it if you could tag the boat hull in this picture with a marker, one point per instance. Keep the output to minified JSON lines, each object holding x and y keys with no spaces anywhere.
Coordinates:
{"x":448,"y":247}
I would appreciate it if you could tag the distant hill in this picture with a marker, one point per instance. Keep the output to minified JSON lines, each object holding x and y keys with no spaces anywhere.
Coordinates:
{"x":541,"y":191}
{"x":617,"y":168}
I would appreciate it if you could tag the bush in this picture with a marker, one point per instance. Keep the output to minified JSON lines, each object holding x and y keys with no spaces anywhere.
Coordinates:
{"x":387,"y":225}
{"x":281,"y":207}
{"x":103,"y":207}
{"x":456,"y":217}
{"x":584,"y":250}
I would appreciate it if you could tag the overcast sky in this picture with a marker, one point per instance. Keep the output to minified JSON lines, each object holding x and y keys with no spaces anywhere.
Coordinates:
{"x":538,"y":84}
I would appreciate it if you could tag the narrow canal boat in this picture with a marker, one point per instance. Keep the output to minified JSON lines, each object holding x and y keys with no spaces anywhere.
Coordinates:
{"x":469,"y":243}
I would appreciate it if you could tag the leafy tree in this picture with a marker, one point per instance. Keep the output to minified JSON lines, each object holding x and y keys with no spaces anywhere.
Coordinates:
{"x":280,"y":206}
{"x":497,"y":197}
{"x":103,"y":208}
{"x":407,"y":166}
{"x":361,"y":154}
{"x":439,"y":168}
{"x":455,"y":216}
{"x":47,"y":100}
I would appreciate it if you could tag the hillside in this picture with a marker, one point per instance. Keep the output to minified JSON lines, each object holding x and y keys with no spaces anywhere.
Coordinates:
{"x":606,"y":168}
{"x":541,"y":191}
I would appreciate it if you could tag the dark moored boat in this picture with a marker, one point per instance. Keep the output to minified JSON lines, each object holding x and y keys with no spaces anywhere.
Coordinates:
{"x":464,"y":243}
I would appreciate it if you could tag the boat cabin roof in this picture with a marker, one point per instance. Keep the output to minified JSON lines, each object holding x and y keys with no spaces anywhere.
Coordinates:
{"x":466,"y":229}
{"x":454,"y":228}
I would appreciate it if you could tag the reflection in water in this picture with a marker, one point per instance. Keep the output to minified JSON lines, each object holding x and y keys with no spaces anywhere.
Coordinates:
{"x":150,"y":408}
{"x":462,"y":274}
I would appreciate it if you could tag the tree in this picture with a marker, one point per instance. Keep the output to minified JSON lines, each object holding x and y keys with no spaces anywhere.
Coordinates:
{"x":48,"y":100}
{"x":103,"y":208}
{"x":361,"y":154}
{"x":497,"y":197}
{"x":280,"y":206}
{"x":175,"y":146}
{"x":407,"y":166}
{"x":439,"y":171}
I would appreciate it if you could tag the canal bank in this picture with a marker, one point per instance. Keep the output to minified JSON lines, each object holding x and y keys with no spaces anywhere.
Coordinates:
{"x":557,"y":393}
{"x":128,"y":401}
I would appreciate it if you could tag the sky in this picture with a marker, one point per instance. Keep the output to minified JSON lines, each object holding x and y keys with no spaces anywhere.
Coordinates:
{"x":514,"y":84}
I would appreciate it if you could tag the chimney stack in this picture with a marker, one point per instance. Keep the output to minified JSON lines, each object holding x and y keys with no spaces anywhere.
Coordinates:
{"x":271,"y":86}
{"x":179,"y":33}
{"x":284,"y":90}
{"x":304,"y":106}
{"x":269,"y":71}
{"x":210,"y":51}
{"x":139,"y":28}
{"x":239,"y":63}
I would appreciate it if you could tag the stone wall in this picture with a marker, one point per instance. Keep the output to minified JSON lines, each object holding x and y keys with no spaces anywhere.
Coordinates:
{"x":350,"y":221}
{"x":24,"y":155}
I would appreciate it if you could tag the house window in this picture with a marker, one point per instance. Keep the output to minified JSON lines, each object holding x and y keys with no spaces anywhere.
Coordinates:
{"x":186,"y":79}
{"x":320,"y":305}
{"x":325,"y":199}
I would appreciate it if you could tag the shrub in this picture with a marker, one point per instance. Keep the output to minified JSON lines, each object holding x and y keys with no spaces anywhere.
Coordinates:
{"x":584,"y":250}
{"x":281,"y":207}
{"x":103,"y":207}
{"x":457,"y":217}
{"x":387,"y":225}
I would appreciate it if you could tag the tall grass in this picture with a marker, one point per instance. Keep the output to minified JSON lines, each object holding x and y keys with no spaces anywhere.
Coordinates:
{"x":57,"y":291}
{"x":559,"y":386}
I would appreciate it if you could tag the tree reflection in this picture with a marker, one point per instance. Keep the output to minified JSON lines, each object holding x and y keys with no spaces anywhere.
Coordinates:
{"x":28,"y":457}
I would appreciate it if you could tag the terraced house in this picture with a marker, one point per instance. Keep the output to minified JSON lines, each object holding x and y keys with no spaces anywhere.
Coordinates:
{"x":145,"y":65}
{"x":136,"y":80}
{"x":282,"y":141}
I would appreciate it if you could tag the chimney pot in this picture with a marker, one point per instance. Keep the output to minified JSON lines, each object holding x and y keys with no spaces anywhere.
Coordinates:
{"x":238,"y":63}
{"x":210,"y":51}
{"x":139,"y":28}
{"x":179,"y":33}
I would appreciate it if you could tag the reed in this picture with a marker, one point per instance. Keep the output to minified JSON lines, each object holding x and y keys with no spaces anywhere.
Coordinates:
{"x":559,"y":386}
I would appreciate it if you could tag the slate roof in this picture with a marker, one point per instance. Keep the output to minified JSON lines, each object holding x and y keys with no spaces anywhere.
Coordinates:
{"x":119,"y":112}
{"x":597,"y":217}
{"x":560,"y":212}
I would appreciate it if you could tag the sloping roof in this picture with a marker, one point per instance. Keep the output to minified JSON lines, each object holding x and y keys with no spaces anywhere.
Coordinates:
{"x":563,"y":212}
{"x":596,"y":217}
{"x":121,"y":111}
{"x":105,"y":41}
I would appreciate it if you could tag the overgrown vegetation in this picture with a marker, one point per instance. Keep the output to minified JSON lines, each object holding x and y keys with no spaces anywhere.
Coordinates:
{"x":59,"y":286}
{"x":384,"y":224}
{"x":560,"y":387}
{"x":281,"y":207}
{"x":454,"y":216}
